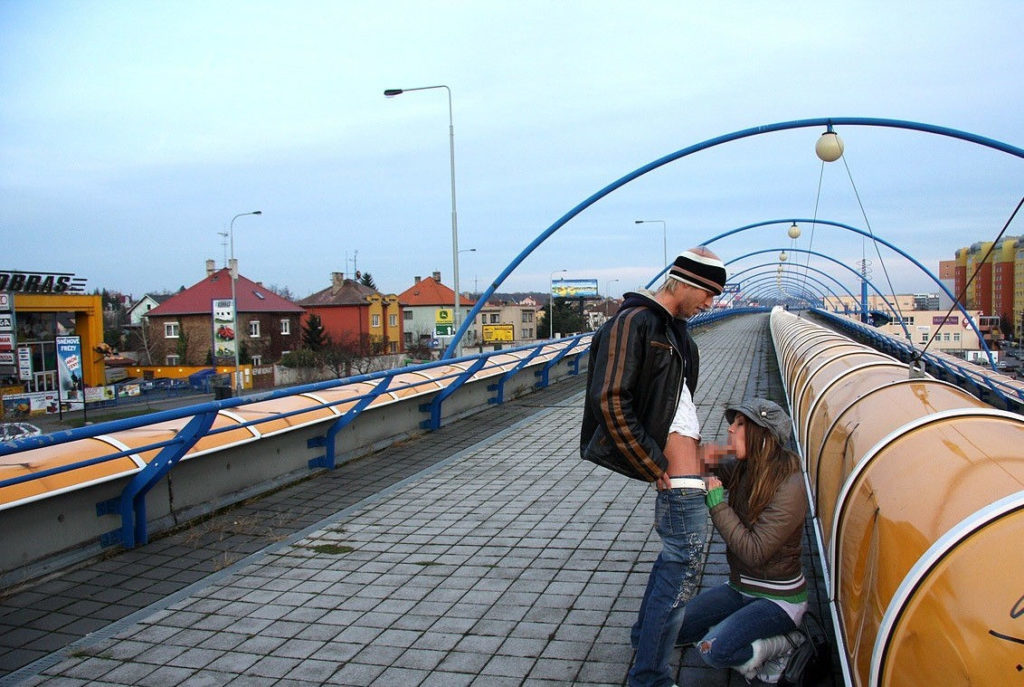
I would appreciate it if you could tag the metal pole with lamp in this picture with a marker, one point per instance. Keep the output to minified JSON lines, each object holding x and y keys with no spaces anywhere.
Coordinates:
{"x":233,"y":264}
{"x":551,"y":303}
{"x":392,"y":92}
{"x":608,"y":287}
{"x":664,"y":237}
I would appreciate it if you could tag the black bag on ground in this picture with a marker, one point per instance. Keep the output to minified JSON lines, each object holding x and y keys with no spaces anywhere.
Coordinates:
{"x":811,"y":662}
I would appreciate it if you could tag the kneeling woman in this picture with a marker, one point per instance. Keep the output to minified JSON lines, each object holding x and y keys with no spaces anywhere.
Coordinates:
{"x":738,"y":623}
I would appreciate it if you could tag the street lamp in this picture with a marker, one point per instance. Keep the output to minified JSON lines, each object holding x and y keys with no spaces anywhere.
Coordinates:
{"x":234,"y":277}
{"x":664,"y":237}
{"x":551,"y":304}
{"x":608,"y":287}
{"x":392,"y":92}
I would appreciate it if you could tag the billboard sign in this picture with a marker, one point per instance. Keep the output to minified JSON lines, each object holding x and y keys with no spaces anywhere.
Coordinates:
{"x":574,"y":288}
{"x":494,"y":333}
{"x":223,"y":328}
{"x":69,"y":366}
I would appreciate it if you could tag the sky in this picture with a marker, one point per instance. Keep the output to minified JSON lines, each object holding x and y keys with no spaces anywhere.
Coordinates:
{"x":131,"y":133}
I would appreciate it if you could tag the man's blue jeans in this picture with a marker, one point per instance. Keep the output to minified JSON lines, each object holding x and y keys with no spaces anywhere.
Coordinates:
{"x":725,"y":623}
{"x":681,"y":520}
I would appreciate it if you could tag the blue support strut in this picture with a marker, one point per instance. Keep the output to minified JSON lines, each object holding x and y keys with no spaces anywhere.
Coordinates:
{"x":132,"y":502}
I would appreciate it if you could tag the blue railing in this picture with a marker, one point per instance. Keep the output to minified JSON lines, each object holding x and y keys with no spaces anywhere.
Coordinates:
{"x":130,"y":505}
{"x":984,"y":384}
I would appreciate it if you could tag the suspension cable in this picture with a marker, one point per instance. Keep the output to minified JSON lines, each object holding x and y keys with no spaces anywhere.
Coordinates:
{"x":878,"y":252}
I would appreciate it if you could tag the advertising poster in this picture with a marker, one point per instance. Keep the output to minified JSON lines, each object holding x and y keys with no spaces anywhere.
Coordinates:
{"x":223,"y":328}
{"x":69,"y":367}
{"x":443,"y":322}
{"x":25,"y":405}
{"x":574,"y":288}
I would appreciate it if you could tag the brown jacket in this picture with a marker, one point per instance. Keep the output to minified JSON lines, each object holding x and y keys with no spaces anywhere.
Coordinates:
{"x":764,"y":555}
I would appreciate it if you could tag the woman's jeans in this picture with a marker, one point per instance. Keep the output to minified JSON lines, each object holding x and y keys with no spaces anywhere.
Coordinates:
{"x":681,"y":520}
{"x":724,"y":623}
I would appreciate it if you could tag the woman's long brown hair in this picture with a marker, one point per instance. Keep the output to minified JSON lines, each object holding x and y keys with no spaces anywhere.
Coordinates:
{"x":768,"y":464}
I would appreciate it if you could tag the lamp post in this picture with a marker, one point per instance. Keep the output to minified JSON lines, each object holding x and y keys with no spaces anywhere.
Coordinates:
{"x":664,"y":237}
{"x":234,"y":277}
{"x":392,"y":92}
{"x":608,"y":287}
{"x":551,"y":303}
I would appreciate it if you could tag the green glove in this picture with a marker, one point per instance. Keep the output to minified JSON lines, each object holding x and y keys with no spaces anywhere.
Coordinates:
{"x":714,"y":497}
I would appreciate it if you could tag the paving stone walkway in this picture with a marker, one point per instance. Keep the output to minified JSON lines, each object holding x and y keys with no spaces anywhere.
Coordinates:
{"x":483,"y":554}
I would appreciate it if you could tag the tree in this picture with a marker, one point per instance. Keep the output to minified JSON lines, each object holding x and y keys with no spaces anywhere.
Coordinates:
{"x":282,"y":291}
{"x":313,"y":335}
{"x":367,"y":280}
{"x":181,"y":348}
{"x":567,"y":319}
{"x":350,"y":355}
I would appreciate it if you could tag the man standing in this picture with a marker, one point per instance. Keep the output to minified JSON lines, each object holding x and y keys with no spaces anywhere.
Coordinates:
{"x":640,"y":382}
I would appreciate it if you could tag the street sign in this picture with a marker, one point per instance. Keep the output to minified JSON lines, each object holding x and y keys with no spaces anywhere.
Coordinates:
{"x":6,"y":342}
{"x":6,"y":322}
{"x":444,"y":329}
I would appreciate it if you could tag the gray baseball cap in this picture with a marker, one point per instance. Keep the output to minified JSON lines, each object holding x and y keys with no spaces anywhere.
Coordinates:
{"x":766,"y":413}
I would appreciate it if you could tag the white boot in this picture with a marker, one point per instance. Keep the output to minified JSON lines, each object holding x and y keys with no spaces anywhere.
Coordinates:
{"x":767,"y":649}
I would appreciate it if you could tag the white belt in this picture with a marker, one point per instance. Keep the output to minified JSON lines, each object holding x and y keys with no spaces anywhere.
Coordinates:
{"x":688,"y":483}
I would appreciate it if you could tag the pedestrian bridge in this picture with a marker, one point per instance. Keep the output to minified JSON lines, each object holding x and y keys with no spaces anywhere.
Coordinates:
{"x":434,"y":524}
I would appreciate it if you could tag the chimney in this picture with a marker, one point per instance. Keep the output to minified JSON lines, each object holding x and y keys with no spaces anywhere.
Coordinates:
{"x":437,"y":277}
{"x":417,"y":280}
{"x":211,"y":267}
{"x":337,"y":281}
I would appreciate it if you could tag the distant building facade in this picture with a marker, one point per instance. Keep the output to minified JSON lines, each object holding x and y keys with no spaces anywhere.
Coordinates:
{"x":428,"y":313}
{"x":357,"y":315}
{"x":181,"y":329}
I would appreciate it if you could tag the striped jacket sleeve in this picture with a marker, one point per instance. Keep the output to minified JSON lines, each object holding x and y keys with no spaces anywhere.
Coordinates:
{"x":613,"y":395}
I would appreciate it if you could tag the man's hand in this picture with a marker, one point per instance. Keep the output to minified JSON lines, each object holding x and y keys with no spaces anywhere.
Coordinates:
{"x":664,"y":482}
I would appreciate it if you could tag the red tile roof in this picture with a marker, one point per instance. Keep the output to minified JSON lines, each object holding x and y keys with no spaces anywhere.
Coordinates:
{"x":348,"y":292}
{"x":198,"y":298}
{"x":430,"y":291}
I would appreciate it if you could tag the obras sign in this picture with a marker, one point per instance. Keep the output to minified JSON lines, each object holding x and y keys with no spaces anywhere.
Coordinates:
{"x":41,"y":282}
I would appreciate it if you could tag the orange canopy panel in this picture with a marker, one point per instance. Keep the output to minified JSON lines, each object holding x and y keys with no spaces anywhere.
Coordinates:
{"x":911,"y":493}
{"x":424,"y":381}
{"x":963,"y":624}
{"x":314,"y":412}
{"x":41,"y":459}
{"x":874,"y":415}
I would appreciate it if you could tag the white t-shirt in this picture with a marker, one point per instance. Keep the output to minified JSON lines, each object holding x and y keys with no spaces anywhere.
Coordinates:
{"x":685,"y":422}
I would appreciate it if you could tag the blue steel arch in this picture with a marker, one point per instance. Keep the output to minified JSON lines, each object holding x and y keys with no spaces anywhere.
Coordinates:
{"x":867,"y":281}
{"x":787,"y":288}
{"x":703,"y":145}
{"x":823,"y":287}
{"x":873,"y":237}
{"x":789,"y":270}
{"x":812,"y":286}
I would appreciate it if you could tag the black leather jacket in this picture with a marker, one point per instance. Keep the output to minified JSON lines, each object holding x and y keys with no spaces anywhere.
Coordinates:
{"x":639,"y":361}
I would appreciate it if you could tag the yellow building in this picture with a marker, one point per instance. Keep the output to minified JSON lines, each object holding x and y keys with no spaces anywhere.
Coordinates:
{"x":40,"y":317}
